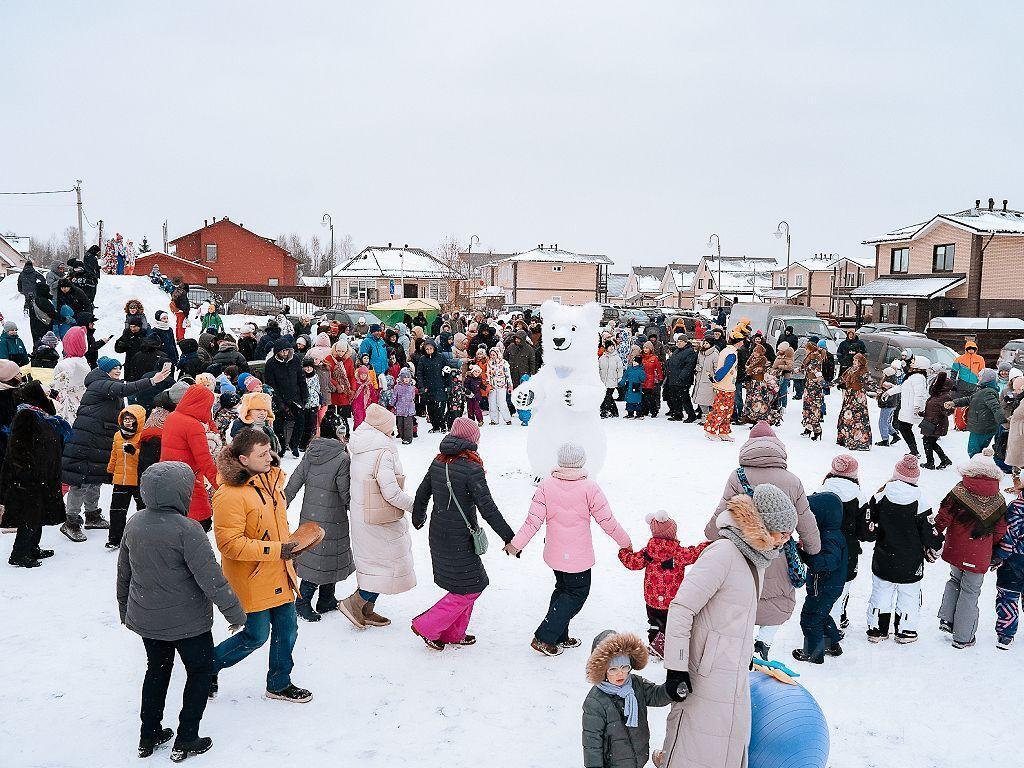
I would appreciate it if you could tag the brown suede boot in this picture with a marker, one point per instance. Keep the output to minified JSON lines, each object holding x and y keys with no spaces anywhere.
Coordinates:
{"x":372,"y":619}
{"x":352,"y":608}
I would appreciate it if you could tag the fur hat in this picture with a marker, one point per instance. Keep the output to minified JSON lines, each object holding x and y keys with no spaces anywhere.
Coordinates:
{"x":381,"y":419}
{"x":662,"y":526}
{"x":571,"y":456}
{"x":762,"y":429}
{"x":607,"y":646}
{"x":907,"y":469}
{"x":775,"y":508}
{"x":255,"y":400}
{"x":207,"y":380}
{"x":981,"y":465}
{"x":465,"y":428}
{"x":844,"y":465}
{"x":136,"y":320}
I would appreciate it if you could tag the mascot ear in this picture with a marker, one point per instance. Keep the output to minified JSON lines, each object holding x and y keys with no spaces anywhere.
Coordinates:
{"x":592,"y":312}
{"x":548,"y":309}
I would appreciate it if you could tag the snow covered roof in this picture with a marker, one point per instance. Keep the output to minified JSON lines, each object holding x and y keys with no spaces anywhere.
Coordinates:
{"x":558,"y":255}
{"x":898,"y":286}
{"x":684,"y":279}
{"x":313,"y":282}
{"x":826,"y":261}
{"x":14,"y":250}
{"x":648,"y":283}
{"x":161,"y":255}
{"x":382,"y":261}
{"x":759,"y":264}
{"x":656,"y":272}
{"x":780,"y":293}
{"x":980,"y":220}
{"x":617,"y":284}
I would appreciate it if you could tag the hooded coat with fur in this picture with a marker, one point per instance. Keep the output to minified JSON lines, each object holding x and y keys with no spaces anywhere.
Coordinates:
{"x":184,"y":439}
{"x":709,"y":630}
{"x":764,"y":460}
{"x":607,"y":741}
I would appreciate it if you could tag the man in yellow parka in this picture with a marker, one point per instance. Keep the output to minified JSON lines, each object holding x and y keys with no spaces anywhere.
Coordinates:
{"x":251,"y":528}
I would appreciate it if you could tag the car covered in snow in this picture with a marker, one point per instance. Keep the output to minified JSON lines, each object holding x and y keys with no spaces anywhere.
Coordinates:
{"x":882,"y":348}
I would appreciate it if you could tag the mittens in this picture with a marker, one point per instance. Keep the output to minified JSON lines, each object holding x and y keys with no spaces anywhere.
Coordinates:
{"x":129,"y":449}
{"x":677,"y":685}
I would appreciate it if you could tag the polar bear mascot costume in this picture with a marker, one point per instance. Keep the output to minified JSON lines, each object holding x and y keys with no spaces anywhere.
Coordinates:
{"x":566,"y":393}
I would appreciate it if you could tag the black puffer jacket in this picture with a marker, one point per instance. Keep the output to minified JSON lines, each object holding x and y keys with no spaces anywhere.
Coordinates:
{"x":897,"y":522}
{"x":457,"y":568}
{"x":87,"y":452}
{"x":30,"y":479}
{"x":149,"y":358}
{"x":430,"y":375}
{"x":228,"y":354}
{"x":285,"y":376}
{"x":680,"y":366}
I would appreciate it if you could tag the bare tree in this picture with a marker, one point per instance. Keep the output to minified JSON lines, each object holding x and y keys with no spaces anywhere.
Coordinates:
{"x":316,"y":256}
{"x":458,"y":273}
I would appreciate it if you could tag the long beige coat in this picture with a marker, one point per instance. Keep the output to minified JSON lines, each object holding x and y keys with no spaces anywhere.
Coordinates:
{"x":1015,"y":438}
{"x":764,"y":461}
{"x":703,"y":393}
{"x":709,"y":633}
{"x":382,"y":554}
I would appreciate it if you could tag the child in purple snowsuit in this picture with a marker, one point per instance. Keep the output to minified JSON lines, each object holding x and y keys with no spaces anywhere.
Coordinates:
{"x":474,"y":384}
{"x":405,"y":405}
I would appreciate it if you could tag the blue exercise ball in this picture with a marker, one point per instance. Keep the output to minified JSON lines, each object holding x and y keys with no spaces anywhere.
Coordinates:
{"x":787,"y":727}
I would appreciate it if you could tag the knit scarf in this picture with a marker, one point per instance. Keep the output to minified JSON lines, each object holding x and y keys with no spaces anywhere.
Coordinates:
{"x":761,"y":560}
{"x":625,"y":692}
{"x":987,"y":510}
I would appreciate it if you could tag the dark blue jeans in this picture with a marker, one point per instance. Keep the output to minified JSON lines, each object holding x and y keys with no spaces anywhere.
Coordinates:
{"x":280,"y":626}
{"x":818,"y":626}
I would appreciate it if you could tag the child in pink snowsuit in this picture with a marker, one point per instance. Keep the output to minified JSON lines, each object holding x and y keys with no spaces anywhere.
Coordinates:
{"x":365,"y":395}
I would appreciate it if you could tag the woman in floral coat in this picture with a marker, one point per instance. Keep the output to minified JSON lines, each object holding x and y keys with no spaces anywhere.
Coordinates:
{"x":759,"y":400}
{"x":814,"y":395}
{"x":854,"y":432}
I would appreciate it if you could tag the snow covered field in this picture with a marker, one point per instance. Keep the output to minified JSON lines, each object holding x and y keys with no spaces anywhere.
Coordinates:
{"x":72,"y":674}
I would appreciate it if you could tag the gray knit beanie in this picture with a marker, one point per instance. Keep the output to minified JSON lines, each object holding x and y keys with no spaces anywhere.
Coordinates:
{"x":10,"y":325}
{"x":987,"y":376}
{"x":776,"y":510}
{"x":177,"y":391}
{"x":572,"y":456}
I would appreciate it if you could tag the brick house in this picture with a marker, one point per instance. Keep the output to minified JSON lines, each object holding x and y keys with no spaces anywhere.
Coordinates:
{"x":232,"y":255}
{"x":548,"y":272}
{"x":823,"y":283}
{"x":643,"y":286}
{"x":173,"y":266}
{"x":617,"y":289}
{"x":743,"y":278}
{"x":964,"y":264}
{"x":379,"y":273}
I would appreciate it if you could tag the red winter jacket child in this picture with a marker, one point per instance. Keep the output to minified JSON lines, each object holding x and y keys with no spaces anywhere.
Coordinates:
{"x":973,"y":516}
{"x":654,"y":374}
{"x":663,"y":561}
{"x":184,"y":439}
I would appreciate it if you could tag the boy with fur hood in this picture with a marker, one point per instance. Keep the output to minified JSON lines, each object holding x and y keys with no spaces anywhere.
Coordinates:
{"x":826,"y":573}
{"x":664,"y":562}
{"x":972,"y":518}
{"x":897,"y":521}
{"x":615,"y":729}
{"x":256,"y":411}
{"x":124,"y":469}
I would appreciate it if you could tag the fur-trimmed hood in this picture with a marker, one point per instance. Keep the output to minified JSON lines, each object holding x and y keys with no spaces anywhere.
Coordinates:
{"x":741,"y":515}
{"x":230,"y":471}
{"x":610,"y":644}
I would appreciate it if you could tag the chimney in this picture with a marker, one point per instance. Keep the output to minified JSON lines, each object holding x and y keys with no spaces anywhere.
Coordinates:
{"x":1004,"y":205}
{"x":406,"y":246}
{"x":389,"y":245}
{"x":991,"y":203}
{"x":206,"y":223}
{"x":977,"y":204}
{"x":556,"y":246}
{"x":540,"y":246}
{"x":214,"y":219}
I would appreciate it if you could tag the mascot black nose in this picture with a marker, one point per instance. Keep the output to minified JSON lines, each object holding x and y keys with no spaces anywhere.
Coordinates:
{"x":559,"y":341}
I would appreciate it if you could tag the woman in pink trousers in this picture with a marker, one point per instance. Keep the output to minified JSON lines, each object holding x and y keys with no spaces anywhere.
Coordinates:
{"x":566,"y":501}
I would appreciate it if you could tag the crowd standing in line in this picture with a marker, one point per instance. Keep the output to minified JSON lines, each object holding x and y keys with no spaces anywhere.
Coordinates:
{"x":192,"y":432}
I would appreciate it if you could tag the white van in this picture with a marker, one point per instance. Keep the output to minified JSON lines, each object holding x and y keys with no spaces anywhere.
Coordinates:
{"x":772,"y":319}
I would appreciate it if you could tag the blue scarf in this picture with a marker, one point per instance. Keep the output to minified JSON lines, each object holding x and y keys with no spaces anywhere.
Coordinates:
{"x":626,"y":692}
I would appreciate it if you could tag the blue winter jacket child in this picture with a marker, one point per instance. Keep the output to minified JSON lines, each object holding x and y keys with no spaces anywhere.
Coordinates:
{"x":826,"y":578}
{"x":633,"y":379}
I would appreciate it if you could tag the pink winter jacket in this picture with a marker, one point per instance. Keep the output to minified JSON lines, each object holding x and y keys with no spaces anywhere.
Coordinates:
{"x":566,"y":501}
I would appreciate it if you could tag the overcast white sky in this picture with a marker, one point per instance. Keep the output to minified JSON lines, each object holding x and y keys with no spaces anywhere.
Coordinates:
{"x":632,"y":129}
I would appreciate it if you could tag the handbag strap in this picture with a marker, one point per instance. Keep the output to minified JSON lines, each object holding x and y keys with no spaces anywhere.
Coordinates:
{"x":451,"y":498}
{"x":742,"y":475}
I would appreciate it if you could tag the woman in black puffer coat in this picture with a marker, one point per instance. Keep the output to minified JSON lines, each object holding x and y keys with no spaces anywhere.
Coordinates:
{"x":457,"y":567}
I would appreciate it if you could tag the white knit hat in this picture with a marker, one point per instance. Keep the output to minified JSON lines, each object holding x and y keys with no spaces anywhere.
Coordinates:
{"x":981,"y":465}
{"x":571,"y":456}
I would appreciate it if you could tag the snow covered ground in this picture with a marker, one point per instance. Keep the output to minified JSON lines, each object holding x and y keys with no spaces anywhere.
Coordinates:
{"x":72,"y":674}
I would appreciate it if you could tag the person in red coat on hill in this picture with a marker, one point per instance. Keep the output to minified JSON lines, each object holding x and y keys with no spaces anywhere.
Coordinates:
{"x":654,"y":375}
{"x":972,"y":517}
{"x":664,"y":562}
{"x":184,"y":439}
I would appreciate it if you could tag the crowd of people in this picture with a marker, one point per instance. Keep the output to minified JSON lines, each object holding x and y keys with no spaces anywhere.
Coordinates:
{"x":192,"y":432}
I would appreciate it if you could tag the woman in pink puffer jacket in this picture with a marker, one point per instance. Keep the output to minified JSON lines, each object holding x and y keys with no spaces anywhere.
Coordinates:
{"x":566,"y":501}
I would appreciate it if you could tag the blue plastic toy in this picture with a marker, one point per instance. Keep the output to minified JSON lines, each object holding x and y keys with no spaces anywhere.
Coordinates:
{"x":788,"y":728}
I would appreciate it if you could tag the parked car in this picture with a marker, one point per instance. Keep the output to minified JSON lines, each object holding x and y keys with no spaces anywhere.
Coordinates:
{"x":255,"y":303}
{"x":1013,"y":353}
{"x":609,"y":314}
{"x":774,"y":318}
{"x":628,"y":315}
{"x":882,"y":348}
{"x":882,"y":328}
{"x":198,"y":296}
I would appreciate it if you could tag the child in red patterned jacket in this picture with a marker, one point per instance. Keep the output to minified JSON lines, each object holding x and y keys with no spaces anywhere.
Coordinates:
{"x":664,"y":562}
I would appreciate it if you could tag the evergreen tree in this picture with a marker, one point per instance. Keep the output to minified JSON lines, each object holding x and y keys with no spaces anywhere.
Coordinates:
{"x":144,"y":245}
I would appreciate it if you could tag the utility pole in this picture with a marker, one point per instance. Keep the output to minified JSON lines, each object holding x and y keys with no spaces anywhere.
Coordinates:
{"x":330,"y":223}
{"x":718,"y":248}
{"x":81,"y":234}
{"x":165,"y":235}
{"x":100,"y":225}
{"x":779,"y":233}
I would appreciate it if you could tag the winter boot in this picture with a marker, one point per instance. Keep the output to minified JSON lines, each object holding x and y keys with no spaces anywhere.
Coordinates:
{"x":372,"y":619}
{"x":546,"y":648}
{"x":434,"y":645}
{"x":906,"y":636}
{"x":966,"y":644}
{"x":303,"y":606}
{"x":23,"y":561}
{"x":1003,"y":642}
{"x":291,"y":693}
{"x":946,"y":626}
{"x":834,"y":650}
{"x":42,"y":554}
{"x":801,"y":655}
{"x":880,"y":633}
{"x":325,"y":599}
{"x":570,"y":642}
{"x":73,"y":532}
{"x":761,"y":648}
{"x":352,"y":608}
{"x":467,"y":640}
{"x":182,"y":750}
{"x":96,"y":521}
{"x":657,"y":646}
{"x":150,"y":743}
{"x":214,"y":688}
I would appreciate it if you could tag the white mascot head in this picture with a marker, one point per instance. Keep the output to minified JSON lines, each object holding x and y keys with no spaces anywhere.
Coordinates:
{"x":567,"y":389}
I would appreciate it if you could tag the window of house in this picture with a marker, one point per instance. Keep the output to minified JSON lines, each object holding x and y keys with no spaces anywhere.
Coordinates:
{"x":894,"y":313}
{"x":438,"y":291}
{"x":860,"y":278}
{"x":784,"y":280}
{"x":711,"y":283}
{"x":362,"y":289}
{"x":942,"y":258}
{"x":211,"y":280}
{"x":556,"y":268}
{"x":211,"y":252}
{"x":900,"y":260}
{"x":799,"y":281}
{"x":272,"y":281}
{"x":700,"y":284}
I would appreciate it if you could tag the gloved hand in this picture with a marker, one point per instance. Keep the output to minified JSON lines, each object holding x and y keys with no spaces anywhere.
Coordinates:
{"x":129,"y":448}
{"x":677,"y":685}
{"x":931,"y":555}
{"x":668,"y":565}
{"x":287,"y":549}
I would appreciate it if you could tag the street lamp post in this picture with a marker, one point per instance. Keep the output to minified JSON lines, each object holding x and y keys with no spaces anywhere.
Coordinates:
{"x":779,"y":233}
{"x":718,"y":248}
{"x":329,"y":222}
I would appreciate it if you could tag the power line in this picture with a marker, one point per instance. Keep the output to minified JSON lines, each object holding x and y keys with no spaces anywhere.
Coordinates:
{"x":45,"y":192}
